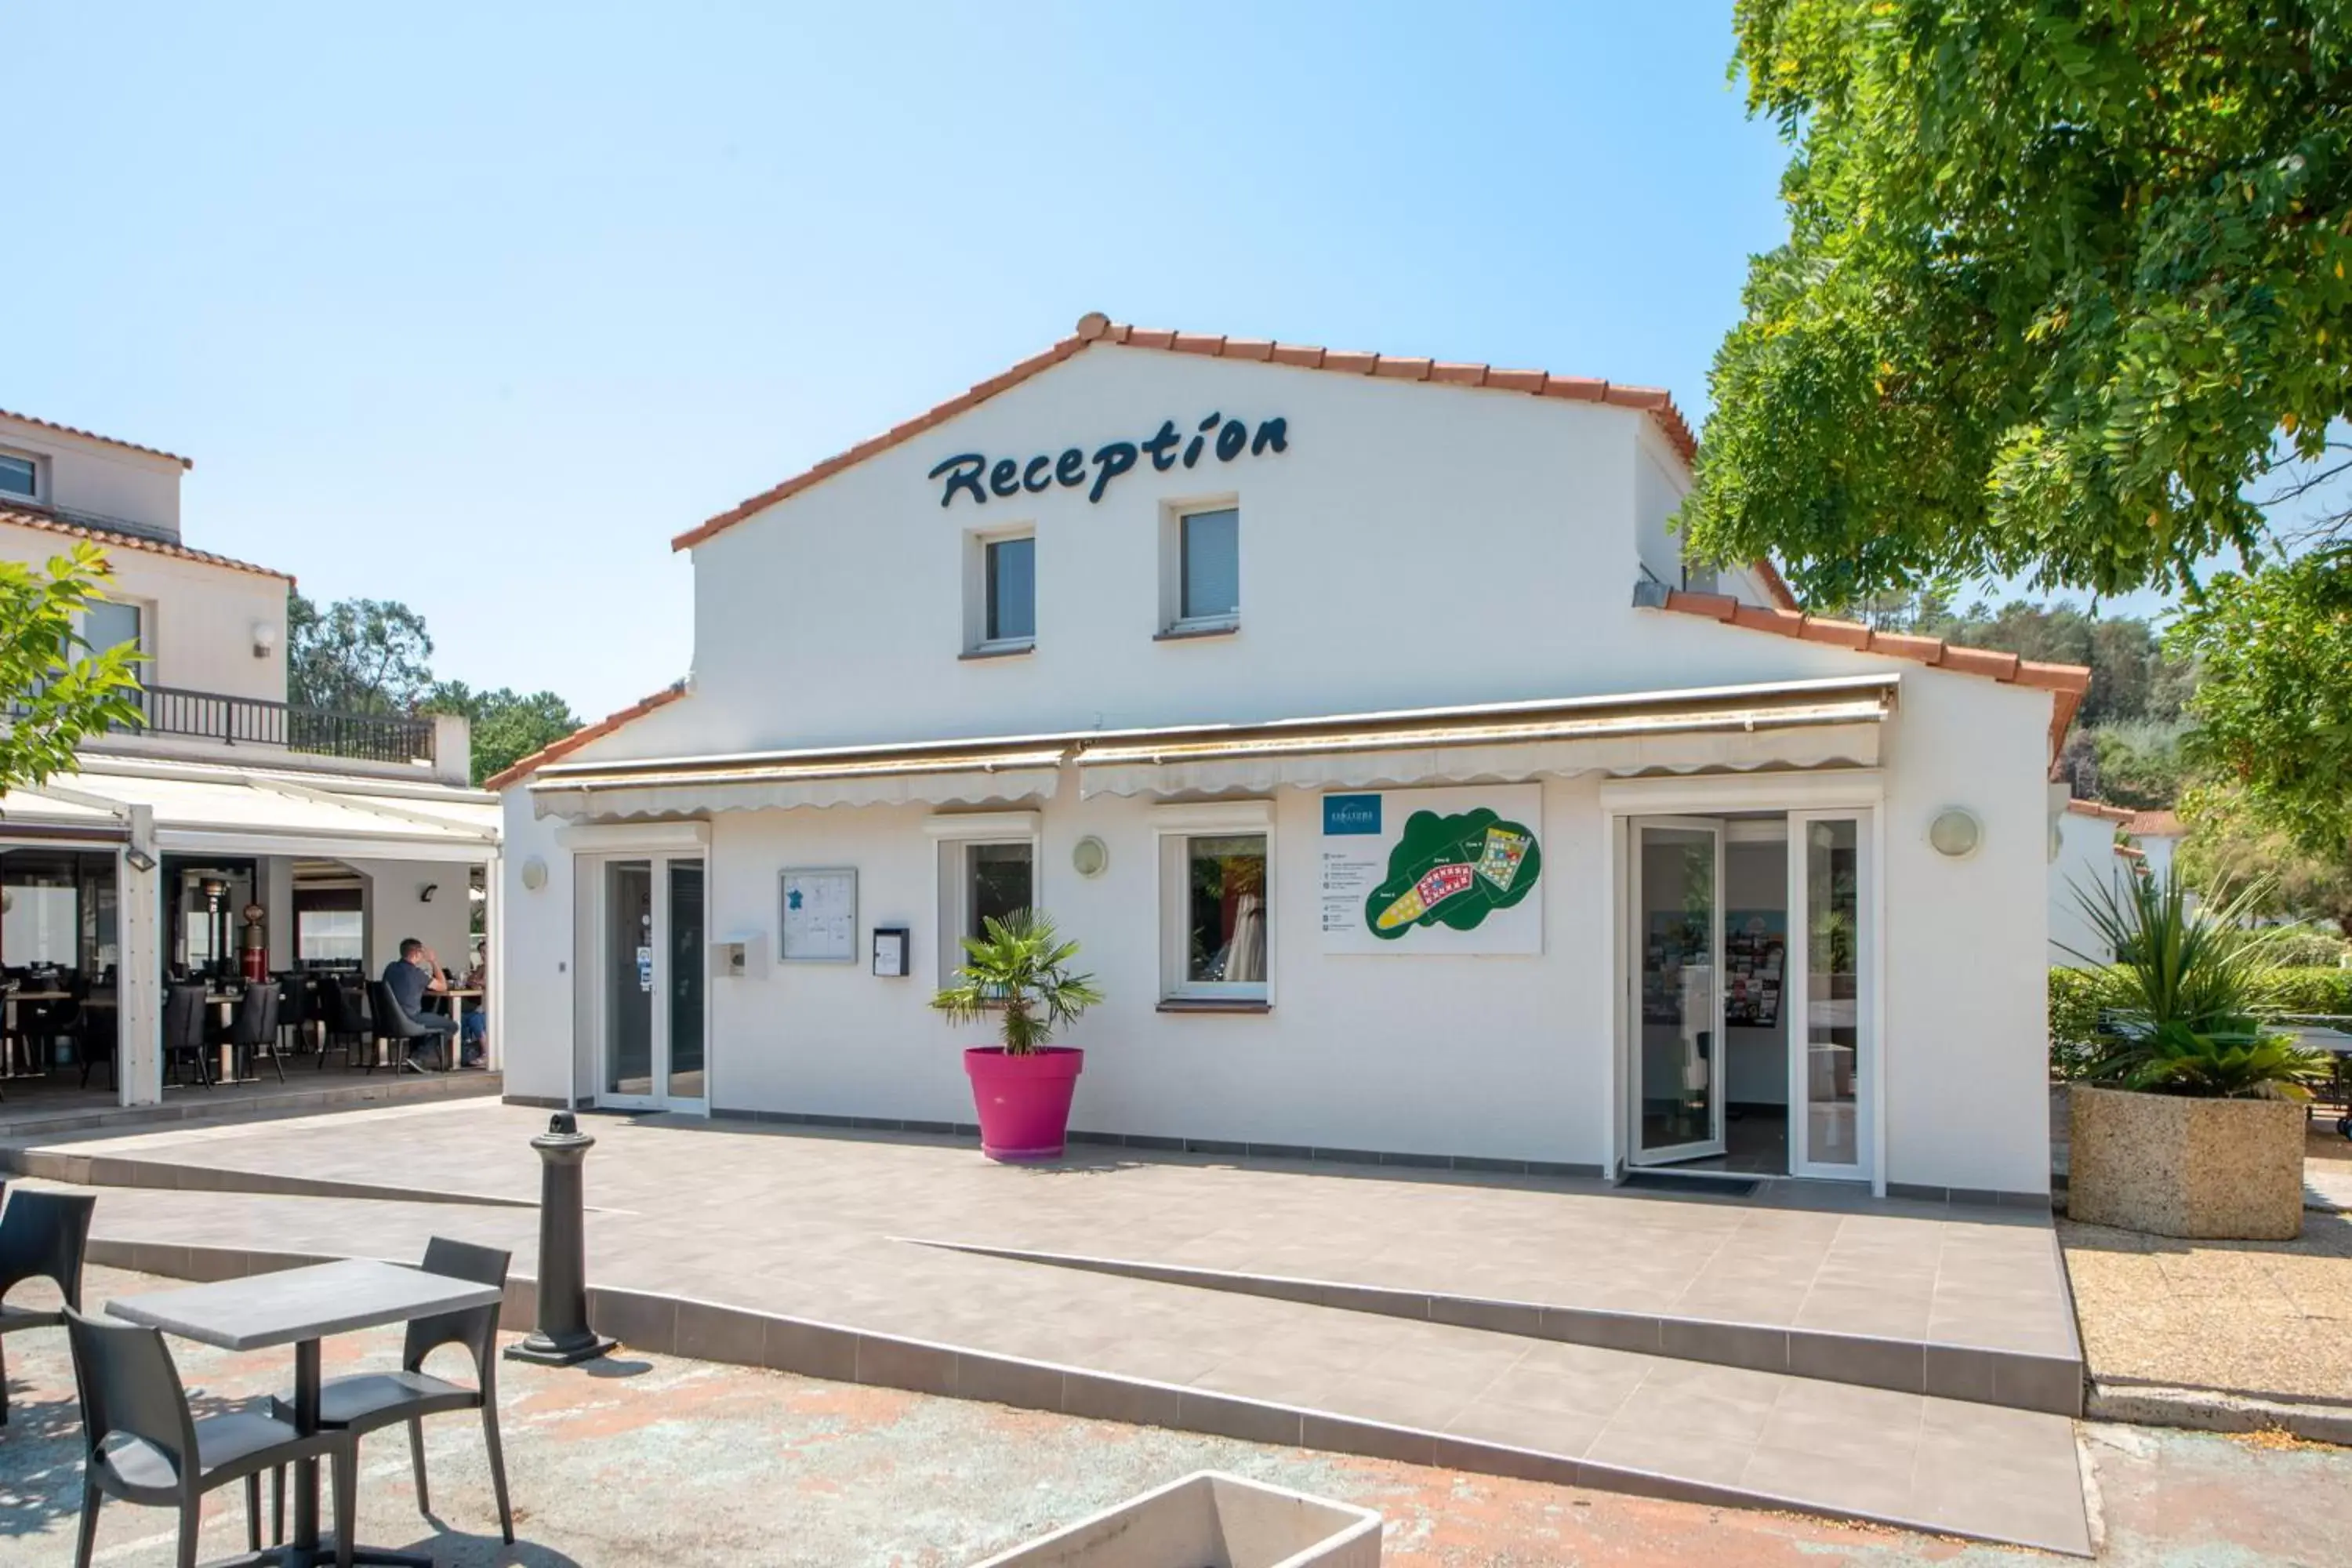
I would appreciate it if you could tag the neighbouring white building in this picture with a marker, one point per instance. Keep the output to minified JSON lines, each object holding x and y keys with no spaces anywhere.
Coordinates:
{"x":1360,"y":716}
{"x":349,"y":831}
{"x":2093,"y":845}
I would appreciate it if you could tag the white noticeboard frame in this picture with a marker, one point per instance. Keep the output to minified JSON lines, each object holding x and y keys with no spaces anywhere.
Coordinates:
{"x":818,"y":906}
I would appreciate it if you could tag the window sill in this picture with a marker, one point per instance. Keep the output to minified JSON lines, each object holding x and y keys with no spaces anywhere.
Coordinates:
{"x":1187,"y":634}
{"x":1214,"y":1005}
{"x":1001,"y":650}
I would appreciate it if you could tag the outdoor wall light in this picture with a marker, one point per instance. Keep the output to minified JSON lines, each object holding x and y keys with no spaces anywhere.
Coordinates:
{"x":140,"y":860}
{"x":1956,"y":832}
{"x":534,"y":874}
{"x":425,"y":894}
{"x":1089,"y":856}
{"x":265,"y":639}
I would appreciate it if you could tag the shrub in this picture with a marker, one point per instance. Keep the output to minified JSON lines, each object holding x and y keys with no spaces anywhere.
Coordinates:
{"x":2075,"y":1003}
{"x":2305,"y":990}
{"x":2304,"y":947}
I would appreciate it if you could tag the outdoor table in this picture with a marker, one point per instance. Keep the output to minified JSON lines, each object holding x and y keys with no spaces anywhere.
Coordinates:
{"x":226,"y":1002}
{"x":300,"y":1306}
{"x":2329,"y":1034}
{"x":14,"y":1039}
{"x":458,"y":997}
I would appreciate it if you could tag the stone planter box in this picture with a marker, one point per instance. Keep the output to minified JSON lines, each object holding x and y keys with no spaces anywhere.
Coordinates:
{"x":2171,"y":1165}
{"x":1210,"y":1520}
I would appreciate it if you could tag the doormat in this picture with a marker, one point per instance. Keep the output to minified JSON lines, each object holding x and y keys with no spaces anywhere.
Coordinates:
{"x":1692,"y":1181}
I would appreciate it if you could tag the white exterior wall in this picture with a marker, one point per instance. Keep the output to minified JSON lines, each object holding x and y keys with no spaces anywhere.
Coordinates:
{"x":98,"y":479}
{"x":397,"y":910}
{"x":198,"y":620}
{"x":2087,"y":859}
{"x":1510,"y":522}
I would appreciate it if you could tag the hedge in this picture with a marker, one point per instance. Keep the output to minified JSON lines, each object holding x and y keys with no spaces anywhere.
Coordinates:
{"x":2075,"y":1044}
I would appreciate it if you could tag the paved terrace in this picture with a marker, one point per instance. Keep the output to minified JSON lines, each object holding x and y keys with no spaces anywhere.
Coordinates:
{"x":1901,"y":1362}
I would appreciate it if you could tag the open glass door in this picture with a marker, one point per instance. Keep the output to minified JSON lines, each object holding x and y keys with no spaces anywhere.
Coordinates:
{"x":652,"y":1015}
{"x":1829,"y":1063}
{"x":1676,"y":943}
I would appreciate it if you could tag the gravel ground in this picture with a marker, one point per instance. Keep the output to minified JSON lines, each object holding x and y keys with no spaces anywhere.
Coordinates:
{"x":652,"y":1459}
{"x":2270,"y":1318}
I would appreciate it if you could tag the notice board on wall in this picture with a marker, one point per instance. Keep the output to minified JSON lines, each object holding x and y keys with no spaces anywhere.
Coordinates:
{"x":820,"y":915}
{"x":1450,"y":870}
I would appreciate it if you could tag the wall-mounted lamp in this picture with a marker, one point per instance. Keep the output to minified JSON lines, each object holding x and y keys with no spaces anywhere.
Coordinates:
{"x":534,"y":874}
{"x":1956,"y":832}
{"x":425,"y":894}
{"x":139,"y":859}
{"x":265,"y":639}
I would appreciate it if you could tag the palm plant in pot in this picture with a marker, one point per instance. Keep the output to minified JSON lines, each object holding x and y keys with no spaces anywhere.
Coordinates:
{"x":2191,"y":1121}
{"x":1017,"y":973}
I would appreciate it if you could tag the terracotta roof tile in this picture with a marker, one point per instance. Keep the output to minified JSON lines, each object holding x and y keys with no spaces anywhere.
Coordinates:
{"x":2100,"y":809}
{"x":2064,"y":682}
{"x":1095,"y":327}
{"x":52,"y":522}
{"x":94,"y":435}
{"x":556,"y":750}
{"x":2155,"y":825}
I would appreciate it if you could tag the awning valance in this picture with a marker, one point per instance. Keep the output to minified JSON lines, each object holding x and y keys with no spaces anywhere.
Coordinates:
{"x":1798,"y":724}
{"x":973,"y":773}
{"x":200,"y":807}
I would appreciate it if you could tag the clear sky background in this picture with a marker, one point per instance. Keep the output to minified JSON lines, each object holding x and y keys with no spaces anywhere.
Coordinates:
{"x":474,"y":307}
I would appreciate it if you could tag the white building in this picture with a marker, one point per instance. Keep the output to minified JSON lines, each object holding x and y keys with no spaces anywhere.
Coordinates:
{"x":2093,"y":845}
{"x":350,"y":831}
{"x":1211,"y":649}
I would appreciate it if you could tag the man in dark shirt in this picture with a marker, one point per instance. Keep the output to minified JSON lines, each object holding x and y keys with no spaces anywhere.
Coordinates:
{"x":412,"y":977}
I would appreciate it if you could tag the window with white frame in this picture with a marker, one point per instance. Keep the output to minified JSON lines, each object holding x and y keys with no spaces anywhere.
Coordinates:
{"x":19,"y":477}
{"x":1001,"y":594}
{"x":1216,"y":902}
{"x":1203,"y":567}
{"x":988,"y":871}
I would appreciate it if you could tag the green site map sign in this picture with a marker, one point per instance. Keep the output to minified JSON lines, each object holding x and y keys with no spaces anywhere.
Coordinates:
{"x":1454,"y":871}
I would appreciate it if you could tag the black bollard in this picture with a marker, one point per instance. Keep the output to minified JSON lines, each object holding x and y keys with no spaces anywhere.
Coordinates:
{"x":563,"y":1335}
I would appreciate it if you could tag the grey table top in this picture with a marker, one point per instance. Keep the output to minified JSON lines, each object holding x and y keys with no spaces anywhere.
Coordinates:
{"x":265,"y":1309}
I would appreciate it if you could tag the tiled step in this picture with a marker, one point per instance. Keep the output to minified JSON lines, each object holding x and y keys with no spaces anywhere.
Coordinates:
{"x":23,"y":1122}
{"x":183,"y":1176}
{"x":2052,"y":1385}
{"x":1567,"y":1414}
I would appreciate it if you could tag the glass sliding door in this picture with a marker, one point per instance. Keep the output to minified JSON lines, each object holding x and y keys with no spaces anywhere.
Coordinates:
{"x":629,"y":981}
{"x":653,"y":1026}
{"x":1831,"y":1063}
{"x":1674,"y":979}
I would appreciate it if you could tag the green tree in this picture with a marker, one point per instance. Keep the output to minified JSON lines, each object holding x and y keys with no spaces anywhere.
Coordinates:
{"x":506,"y":726}
{"x":2232,"y":851}
{"x":59,"y":692}
{"x":363,"y":656}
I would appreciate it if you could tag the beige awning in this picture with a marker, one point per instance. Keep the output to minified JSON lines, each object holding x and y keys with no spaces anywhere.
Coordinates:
{"x":1797,"y":724}
{"x":980,"y":773}
{"x":1807,"y":724}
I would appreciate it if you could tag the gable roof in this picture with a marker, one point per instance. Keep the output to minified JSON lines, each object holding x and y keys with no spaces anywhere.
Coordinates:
{"x":2156,"y":825}
{"x":1094,"y":327}
{"x":2065,"y":682}
{"x":94,"y":435}
{"x":2082,"y":807}
{"x":522,"y":766}
{"x":52,"y":522}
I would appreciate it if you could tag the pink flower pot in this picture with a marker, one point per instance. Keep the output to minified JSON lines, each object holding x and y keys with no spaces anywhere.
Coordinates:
{"x":1023,"y":1101}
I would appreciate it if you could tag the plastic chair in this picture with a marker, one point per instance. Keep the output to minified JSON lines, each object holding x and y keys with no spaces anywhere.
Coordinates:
{"x":183,"y":1027}
{"x":142,"y":1446}
{"x":369,"y":1402}
{"x":43,"y":1236}
{"x":394,"y":1028}
{"x":256,"y":1024}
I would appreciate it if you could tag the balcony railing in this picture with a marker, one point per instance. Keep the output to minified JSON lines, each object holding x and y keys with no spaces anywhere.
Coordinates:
{"x":320,"y":731}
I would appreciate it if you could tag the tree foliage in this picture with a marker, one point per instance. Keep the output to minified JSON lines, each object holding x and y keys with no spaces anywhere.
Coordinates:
{"x":505,"y":725}
{"x":2062,"y":280}
{"x":362,"y":655}
{"x":59,"y":692}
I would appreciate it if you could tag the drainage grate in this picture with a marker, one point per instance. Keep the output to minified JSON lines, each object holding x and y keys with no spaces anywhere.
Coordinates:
{"x":1692,"y":1182}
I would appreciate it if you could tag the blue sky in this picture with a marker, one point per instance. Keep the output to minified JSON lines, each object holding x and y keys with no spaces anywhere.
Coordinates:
{"x":474,"y":307}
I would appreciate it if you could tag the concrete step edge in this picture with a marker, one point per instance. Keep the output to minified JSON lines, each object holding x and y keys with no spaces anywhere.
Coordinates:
{"x":714,"y":1331}
{"x":2016,"y":1380}
{"x":171,"y":1175}
{"x":2218,"y":1410}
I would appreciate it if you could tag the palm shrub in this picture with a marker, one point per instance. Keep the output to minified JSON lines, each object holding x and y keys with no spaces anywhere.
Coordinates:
{"x":1018,"y":968}
{"x":2182,"y":997}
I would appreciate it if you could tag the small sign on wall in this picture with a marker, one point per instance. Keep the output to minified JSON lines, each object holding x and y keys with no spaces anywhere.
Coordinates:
{"x":890,"y":951}
{"x":820,"y":915}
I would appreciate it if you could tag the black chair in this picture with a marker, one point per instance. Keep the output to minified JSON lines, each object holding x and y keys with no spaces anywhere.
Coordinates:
{"x":294,"y":1009}
{"x":184,"y":1028}
{"x":396,"y":1028}
{"x":142,"y":1446}
{"x":256,"y":1027}
{"x":347,"y":1024}
{"x":42,"y":1236}
{"x":97,"y":1042}
{"x":370,"y":1402}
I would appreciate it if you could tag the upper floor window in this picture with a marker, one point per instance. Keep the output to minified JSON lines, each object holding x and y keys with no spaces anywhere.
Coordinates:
{"x":110,"y":622}
{"x":1207,"y":571}
{"x":19,"y":477}
{"x":1012,"y":591}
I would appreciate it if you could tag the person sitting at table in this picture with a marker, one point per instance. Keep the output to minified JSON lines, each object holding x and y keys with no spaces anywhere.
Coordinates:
{"x":476,"y":1034}
{"x":413,"y":976}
